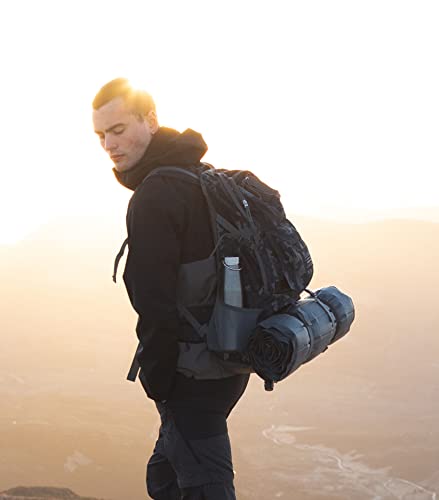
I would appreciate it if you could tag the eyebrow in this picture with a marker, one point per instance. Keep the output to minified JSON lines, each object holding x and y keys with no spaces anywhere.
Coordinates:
{"x":111,"y":128}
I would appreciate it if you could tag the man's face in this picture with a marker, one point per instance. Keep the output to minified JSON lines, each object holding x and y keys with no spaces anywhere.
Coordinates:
{"x":123,"y":135}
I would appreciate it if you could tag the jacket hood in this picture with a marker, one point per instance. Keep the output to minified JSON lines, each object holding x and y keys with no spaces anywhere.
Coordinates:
{"x":167,"y":148}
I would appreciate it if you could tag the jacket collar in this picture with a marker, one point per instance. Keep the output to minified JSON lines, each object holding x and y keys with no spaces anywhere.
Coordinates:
{"x":167,"y":148}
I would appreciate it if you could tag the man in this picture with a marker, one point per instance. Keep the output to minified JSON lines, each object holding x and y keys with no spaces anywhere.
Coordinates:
{"x":169,"y":235}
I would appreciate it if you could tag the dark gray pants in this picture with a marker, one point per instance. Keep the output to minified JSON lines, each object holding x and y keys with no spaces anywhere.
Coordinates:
{"x":184,"y":468}
{"x":192,"y":459}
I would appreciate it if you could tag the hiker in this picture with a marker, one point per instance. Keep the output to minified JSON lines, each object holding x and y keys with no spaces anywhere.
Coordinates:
{"x":168,"y":228}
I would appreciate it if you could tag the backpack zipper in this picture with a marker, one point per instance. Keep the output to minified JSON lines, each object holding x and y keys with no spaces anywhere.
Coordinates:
{"x":247,"y":211}
{"x":256,"y":249}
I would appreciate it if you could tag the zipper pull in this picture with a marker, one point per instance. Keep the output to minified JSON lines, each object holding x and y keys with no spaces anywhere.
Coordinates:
{"x":247,"y":209}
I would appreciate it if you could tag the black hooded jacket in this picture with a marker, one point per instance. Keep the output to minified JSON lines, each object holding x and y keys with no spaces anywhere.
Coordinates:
{"x":168,"y":225}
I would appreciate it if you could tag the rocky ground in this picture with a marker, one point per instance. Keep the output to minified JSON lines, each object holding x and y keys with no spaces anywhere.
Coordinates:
{"x":41,"y":493}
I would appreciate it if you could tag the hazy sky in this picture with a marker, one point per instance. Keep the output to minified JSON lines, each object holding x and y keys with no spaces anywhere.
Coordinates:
{"x":335,"y":103}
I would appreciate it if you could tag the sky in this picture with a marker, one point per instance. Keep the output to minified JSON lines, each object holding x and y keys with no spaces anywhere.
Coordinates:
{"x":334,"y":103}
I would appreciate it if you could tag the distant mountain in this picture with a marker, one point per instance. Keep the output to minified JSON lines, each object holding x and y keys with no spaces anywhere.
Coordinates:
{"x":358,"y":215}
{"x":429,"y":214}
{"x":41,"y":493}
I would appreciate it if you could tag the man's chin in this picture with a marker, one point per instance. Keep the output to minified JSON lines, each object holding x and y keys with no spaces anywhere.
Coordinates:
{"x":121,"y":166}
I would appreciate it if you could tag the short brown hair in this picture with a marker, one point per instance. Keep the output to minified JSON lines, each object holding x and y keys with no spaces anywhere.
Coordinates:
{"x":139,"y":101}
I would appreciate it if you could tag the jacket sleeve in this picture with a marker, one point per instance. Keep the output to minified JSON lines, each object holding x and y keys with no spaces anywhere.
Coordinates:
{"x":155,"y":225}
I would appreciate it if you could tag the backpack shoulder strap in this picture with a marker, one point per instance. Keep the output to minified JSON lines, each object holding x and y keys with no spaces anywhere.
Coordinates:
{"x":174,"y":172}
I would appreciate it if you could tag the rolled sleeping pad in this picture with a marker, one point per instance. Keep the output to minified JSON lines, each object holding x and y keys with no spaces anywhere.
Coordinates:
{"x":278,"y":346}
{"x":283,"y":342}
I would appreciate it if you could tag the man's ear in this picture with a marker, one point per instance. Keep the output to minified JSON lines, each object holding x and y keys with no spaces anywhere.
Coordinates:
{"x":152,"y":120}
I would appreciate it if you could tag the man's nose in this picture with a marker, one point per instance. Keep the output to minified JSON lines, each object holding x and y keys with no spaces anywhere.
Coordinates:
{"x":110,"y":144}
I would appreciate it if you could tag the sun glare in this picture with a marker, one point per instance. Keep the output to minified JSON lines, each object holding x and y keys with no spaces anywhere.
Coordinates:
{"x":326,"y":114}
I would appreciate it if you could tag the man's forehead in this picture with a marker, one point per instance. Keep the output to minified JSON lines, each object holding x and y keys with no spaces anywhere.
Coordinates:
{"x":110,"y":113}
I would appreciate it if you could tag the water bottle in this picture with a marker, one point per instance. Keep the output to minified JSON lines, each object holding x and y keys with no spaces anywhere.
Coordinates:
{"x":232,"y":282}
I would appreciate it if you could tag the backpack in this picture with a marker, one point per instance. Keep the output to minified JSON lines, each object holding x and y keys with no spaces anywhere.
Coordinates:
{"x":248,"y":221}
{"x":269,"y":330}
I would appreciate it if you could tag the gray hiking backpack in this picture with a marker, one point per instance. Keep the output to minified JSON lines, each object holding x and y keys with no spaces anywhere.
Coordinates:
{"x":263,"y":265}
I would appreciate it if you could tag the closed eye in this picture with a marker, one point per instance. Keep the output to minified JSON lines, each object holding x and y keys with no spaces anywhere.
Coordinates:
{"x":118,"y":130}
